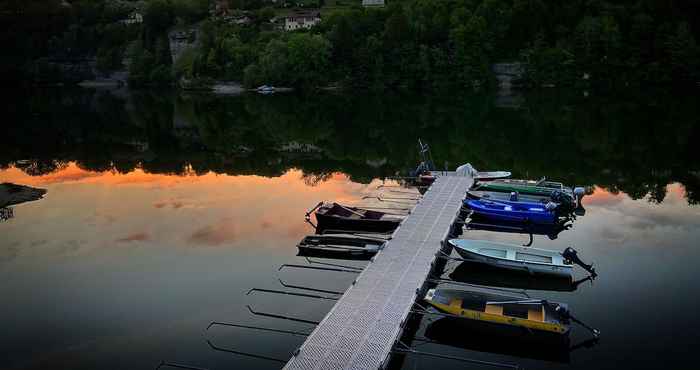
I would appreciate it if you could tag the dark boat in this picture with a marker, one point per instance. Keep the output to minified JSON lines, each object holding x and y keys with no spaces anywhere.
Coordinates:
{"x":483,"y":337}
{"x":339,"y":217}
{"x":342,"y":246}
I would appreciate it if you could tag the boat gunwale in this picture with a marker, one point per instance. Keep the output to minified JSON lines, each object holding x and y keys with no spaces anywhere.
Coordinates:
{"x":510,"y":260}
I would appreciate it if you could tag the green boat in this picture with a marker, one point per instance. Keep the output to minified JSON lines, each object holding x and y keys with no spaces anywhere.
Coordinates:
{"x":541,"y":187}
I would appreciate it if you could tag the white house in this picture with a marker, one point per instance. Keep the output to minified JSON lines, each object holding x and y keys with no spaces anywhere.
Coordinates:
{"x":302,"y":19}
{"x":134,"y":18}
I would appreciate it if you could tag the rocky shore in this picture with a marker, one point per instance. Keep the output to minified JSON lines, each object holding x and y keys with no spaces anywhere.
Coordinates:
{"x":11,"y":194}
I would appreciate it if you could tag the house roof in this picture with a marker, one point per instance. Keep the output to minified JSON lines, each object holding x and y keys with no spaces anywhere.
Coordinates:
{"x":304,"y":14}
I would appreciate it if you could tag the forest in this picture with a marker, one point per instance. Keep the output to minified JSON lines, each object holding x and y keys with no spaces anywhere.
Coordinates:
{"x":408,"y":44}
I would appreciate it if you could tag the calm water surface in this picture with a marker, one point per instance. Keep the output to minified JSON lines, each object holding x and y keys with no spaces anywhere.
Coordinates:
{"x":163,"y":210}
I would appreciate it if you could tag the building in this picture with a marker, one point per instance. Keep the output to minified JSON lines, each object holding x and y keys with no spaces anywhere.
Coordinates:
{"x":302,"y":20}
{"x":368,"y":3}
{"x":133,"y":18}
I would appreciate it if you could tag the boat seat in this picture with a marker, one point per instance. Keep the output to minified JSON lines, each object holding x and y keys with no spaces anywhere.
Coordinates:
{"x":536,"y":315}
{"x":494,"y":309}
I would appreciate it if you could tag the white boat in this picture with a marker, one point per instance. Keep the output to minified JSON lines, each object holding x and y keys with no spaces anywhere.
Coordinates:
{"x":491,"y":175}
{"x":468,"y":169}
{"x":265,"y":89}
{"x":514,"y":257}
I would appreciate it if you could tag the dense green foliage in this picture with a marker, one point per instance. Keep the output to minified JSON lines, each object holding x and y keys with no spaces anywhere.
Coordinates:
{"x":421,"y":44}
{"x":413,"y":44}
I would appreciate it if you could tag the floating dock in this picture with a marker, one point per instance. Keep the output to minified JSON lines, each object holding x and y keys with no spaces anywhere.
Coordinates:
{"x":361,"y":329}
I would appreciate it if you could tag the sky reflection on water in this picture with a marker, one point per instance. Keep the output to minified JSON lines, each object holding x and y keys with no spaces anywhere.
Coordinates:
{"x":129,"y":269}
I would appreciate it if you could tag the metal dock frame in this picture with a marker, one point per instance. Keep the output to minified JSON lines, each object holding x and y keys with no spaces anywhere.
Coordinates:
{"x":361,"y":329}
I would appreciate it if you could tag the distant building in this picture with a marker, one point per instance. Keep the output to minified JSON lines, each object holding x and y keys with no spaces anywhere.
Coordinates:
{"x":133,"y":18}
{"x":376,"y":3}
{"x":240,"y":18}
{"x":302,"y":19}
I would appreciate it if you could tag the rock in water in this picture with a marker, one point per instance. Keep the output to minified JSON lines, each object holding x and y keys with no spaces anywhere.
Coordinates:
{"x":11,"y":194}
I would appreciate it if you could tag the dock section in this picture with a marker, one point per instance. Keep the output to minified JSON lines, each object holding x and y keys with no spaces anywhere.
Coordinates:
{"x":361,"y":329}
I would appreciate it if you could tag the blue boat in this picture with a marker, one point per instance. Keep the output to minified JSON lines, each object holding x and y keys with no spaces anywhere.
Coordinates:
{"x":537,"y":213}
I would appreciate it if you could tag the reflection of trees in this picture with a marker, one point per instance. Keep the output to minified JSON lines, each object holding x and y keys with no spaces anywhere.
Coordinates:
{"x":315,"y":179}
{"x":628,"y":144}
{"x":38,"y":167}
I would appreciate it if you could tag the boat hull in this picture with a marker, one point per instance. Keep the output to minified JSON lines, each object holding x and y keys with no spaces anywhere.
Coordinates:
{"x":332,"y":222}
{"x":529,"y":268}
{"x":452,"y":306}
{"x":339,"y":246}
{"x":310,"y":251}
{"x":522,"y":188}
{"x":523,"y":212}
{"x":492,"y":175}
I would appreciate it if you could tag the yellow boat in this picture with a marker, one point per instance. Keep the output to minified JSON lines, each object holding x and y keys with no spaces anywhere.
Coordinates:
{"x":532,"y":314}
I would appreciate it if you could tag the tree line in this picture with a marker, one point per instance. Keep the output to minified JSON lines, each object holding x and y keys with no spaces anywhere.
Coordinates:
{"x":409,"y":44}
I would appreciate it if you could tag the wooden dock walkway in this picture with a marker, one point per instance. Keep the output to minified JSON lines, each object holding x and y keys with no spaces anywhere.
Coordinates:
{"x":361,"y":329}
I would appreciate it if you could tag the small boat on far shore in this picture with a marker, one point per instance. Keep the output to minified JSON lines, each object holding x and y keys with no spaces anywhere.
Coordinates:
{"x":265,"y":89}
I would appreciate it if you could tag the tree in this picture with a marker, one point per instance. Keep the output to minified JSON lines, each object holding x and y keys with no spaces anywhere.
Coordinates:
{"x":684,"y":54}
{"x":309,"y":59}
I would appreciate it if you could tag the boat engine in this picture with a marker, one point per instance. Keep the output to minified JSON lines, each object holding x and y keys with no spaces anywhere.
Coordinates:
{"x":565,"y":314}
{"x":571,"y":255}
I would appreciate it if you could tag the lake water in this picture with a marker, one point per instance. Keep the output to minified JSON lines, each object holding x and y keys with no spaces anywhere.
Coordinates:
{"x":164,"y":210}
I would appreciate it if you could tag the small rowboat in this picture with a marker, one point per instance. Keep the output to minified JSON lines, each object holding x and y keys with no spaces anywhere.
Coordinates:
{"x":541,"y":187}
{"x":491,"y":175}
{"x":536,"y":213}
{"x":468,"y":170}
{"x":538,"y":316}
{"x":339,"y":217}
{"x":514,"y":257}
{"x":344,"y":246}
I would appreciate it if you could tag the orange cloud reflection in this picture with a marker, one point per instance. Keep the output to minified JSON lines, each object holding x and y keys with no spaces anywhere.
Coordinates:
{"x":207,"y":210}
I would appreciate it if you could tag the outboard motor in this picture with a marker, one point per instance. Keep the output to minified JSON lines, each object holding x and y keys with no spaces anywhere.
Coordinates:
{"x":420,"y":170}
{"x":571,"y":255}
{"x":514,"y":196}
{"x":565,"y":201}
{"x":579,"y":192}
{"x":565,"y":314}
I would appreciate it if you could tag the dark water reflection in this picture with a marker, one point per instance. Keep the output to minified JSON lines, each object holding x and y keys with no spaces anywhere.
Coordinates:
{"x":163,"y":210}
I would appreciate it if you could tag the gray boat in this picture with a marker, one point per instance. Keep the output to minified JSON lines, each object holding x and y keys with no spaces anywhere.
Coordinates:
{"x":514,"y":257}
